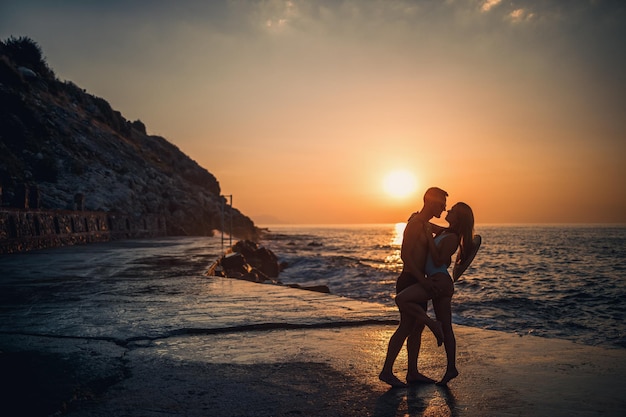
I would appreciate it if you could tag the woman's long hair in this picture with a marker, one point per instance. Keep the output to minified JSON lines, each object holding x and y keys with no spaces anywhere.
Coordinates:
{"x":465,"y":229}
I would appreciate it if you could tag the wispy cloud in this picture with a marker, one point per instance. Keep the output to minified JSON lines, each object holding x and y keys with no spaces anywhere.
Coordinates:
{"x":277,"y":14}
{"x":519,"y":15}
{"x":489,"y":4}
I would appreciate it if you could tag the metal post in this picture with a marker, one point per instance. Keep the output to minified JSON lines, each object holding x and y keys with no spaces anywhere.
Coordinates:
{"x":230,"y":229}
{"x":223,"y":209}
{"x":230,"y":233}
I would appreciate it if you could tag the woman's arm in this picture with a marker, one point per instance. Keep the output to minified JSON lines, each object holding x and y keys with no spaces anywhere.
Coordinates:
{"x":441,"y":254}
{"x":436,"y":229}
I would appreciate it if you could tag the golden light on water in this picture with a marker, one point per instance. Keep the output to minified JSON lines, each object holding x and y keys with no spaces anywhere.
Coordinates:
{"x":398,"y":233}
{"x":393,"y":261}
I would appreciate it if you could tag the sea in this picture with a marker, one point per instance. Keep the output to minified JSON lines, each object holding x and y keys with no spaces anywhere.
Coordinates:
{"x":554,"y":281}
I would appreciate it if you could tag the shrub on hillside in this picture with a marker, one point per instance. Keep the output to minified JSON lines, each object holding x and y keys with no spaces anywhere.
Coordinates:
{"x":111,"y":117}
{"x":25,"y":52}
{"x":9,"y":75}
{"x":74,"y":92}
{"x":139,"y":126}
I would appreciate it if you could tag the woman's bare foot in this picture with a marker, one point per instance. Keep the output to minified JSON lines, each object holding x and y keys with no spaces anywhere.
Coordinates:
{"x":391,"y":379}
{"x":448,"y":376}
{"x":417,"y":378}
{"x":437,"y":330}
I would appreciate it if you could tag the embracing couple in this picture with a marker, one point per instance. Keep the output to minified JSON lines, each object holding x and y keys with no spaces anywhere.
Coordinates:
{"x":426,"y":252}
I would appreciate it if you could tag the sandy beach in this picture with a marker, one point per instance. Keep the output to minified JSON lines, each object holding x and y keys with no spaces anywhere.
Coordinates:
{"x":278,"y":351}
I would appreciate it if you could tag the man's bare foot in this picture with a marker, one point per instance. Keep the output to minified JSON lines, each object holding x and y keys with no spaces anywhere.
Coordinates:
{"x":417,"y":378}
{"x":437,"y":330}
{"x":391,"y":379}
{"x":448,"y":376}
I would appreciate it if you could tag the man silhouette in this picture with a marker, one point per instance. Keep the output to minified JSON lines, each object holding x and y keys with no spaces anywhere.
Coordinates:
{"x":413,"y":253}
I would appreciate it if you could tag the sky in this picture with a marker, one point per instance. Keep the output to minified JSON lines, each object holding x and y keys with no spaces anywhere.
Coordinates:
{"x":302,"y":108}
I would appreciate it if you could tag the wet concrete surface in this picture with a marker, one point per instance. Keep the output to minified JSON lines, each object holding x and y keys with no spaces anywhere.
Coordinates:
{"x":102,"y":331}
{"x":75,"y":322}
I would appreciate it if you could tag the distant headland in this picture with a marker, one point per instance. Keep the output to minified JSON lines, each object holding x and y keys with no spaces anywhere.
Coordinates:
{"x":64,"y":150}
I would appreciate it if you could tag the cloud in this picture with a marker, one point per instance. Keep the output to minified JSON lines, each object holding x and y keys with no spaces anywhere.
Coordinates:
{"x":279,"y":13}
{"x":489,"y":4}
{"x":519,"y":15}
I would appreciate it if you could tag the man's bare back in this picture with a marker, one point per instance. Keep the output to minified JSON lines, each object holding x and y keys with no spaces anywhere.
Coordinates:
{"x":414,"y":246}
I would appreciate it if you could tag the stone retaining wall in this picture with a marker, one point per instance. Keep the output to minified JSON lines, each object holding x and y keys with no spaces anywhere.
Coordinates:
{"x":23,"y":230}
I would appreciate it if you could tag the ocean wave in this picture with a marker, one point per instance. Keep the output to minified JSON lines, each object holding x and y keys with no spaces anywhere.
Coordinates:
{"x":552,"y":281}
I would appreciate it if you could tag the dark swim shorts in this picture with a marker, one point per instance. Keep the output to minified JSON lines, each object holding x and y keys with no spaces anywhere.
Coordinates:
{"x":406,"y":280}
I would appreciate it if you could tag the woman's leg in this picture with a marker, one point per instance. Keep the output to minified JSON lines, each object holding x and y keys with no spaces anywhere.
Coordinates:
{"x":408,"y":302}
{"x":443,"y":311}
{"x":407,"y":323}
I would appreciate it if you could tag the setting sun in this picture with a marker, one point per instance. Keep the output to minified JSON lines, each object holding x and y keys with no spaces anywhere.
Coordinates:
{"x":314,"y":132}
{"x":400,"y":184}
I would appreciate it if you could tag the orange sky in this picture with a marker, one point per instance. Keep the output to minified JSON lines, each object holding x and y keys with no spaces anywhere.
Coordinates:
{"x":301,"y":108}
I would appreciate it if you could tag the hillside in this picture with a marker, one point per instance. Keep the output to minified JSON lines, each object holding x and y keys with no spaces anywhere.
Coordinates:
{"x":58,"y":138}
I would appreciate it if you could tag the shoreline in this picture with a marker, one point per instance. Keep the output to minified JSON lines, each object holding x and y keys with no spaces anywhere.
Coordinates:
{"x":303,"y":365}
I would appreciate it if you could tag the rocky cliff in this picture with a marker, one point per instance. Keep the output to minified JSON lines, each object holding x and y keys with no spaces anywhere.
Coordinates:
{"x":68,"y":149}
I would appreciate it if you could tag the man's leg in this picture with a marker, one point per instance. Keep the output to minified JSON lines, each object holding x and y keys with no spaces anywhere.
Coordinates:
{"x":413,"y":345}
{"x":394,"y":347}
